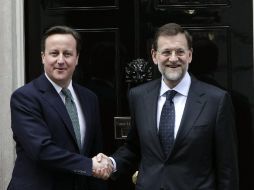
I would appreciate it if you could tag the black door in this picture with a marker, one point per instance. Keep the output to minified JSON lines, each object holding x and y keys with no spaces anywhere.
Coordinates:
{"x":116,"y":56}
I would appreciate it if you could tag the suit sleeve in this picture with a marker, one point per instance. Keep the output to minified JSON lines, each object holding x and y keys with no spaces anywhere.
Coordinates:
{"x":226,"y":146}
{"x":128,"y":156}
{"x":34,"y":137}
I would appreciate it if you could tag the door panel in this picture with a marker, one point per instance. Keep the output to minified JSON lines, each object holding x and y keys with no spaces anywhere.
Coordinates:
{"x":117,"y":37}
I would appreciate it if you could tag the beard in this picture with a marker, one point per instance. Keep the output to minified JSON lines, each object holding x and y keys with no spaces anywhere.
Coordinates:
{"x":173,"y":75}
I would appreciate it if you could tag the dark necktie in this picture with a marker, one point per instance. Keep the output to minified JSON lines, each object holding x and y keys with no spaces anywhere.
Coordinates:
{"x":72,"y":111}
{"x":167,"y":123}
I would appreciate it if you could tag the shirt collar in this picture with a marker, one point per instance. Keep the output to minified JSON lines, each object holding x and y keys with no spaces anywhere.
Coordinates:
{"x":59,"y":88}
{"x":182,"y":87}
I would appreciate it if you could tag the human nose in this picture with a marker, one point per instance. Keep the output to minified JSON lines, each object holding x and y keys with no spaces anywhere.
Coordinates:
{"x":173,"y":56}
{"x":60,"y":59}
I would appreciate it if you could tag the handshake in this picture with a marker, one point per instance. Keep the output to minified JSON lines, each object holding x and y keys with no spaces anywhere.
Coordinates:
{"x":102,"y":166}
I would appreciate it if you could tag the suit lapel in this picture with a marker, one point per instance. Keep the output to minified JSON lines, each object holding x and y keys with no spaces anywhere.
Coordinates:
{"x":52,"y":97}
{"x":150,"y":107}
{"x":194,"y":105}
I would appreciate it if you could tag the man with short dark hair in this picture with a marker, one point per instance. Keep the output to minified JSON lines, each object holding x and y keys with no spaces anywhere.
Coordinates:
{"x":55,"y":123}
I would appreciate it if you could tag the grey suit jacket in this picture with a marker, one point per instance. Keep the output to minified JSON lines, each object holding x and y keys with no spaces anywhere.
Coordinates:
{"x":204,"y":155}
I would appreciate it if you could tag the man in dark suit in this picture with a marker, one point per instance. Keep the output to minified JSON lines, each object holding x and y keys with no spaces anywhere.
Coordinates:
{"x":202,"y":153}
{"x":54,"y":145}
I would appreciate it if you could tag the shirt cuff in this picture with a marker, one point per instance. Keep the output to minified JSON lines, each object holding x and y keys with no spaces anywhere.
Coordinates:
{"x":114,"y":163}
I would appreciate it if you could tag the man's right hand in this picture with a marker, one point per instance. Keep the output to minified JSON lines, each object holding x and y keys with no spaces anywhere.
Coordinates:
{"x":102,"y":166}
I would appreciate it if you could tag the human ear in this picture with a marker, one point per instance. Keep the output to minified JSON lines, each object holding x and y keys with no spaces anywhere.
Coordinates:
{"x":153,"y":54}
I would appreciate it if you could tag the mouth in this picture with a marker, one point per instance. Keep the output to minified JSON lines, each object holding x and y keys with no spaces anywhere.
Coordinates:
{"x":173,"y":66}
{"x":60,"y":69}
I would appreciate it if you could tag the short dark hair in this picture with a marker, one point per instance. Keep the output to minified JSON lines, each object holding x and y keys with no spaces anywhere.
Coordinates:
{"x":61,"y":30}
{"x":171,"y":29}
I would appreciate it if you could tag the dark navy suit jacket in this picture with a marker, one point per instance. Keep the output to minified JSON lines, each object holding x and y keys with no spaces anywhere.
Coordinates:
{"x":204,"y":155}
{"x":48,"y":157}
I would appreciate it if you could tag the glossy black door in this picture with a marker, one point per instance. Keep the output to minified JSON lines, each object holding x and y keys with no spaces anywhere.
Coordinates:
{"x":223,"y":55}
{"x":116,"y":55}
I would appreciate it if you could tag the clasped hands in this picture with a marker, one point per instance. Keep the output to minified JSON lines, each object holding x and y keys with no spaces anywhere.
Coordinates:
{"x":102,"y":166}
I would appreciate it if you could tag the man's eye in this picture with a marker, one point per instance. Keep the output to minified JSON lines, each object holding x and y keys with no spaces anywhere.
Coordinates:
{"x":166,"y":53}
{"x":180,"y":52}
{"x":53,"y":53}
{"x":67,"y":54}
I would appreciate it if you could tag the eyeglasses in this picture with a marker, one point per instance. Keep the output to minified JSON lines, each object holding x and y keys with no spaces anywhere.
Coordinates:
{"x":167,"y":52}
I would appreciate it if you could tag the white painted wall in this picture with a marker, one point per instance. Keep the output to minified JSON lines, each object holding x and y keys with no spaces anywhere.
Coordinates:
{"x":11,"y":76}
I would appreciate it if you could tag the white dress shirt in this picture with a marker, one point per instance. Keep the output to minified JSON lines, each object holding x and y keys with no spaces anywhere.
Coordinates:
{"x":81,"y":117}
{"x":179,"y":100}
